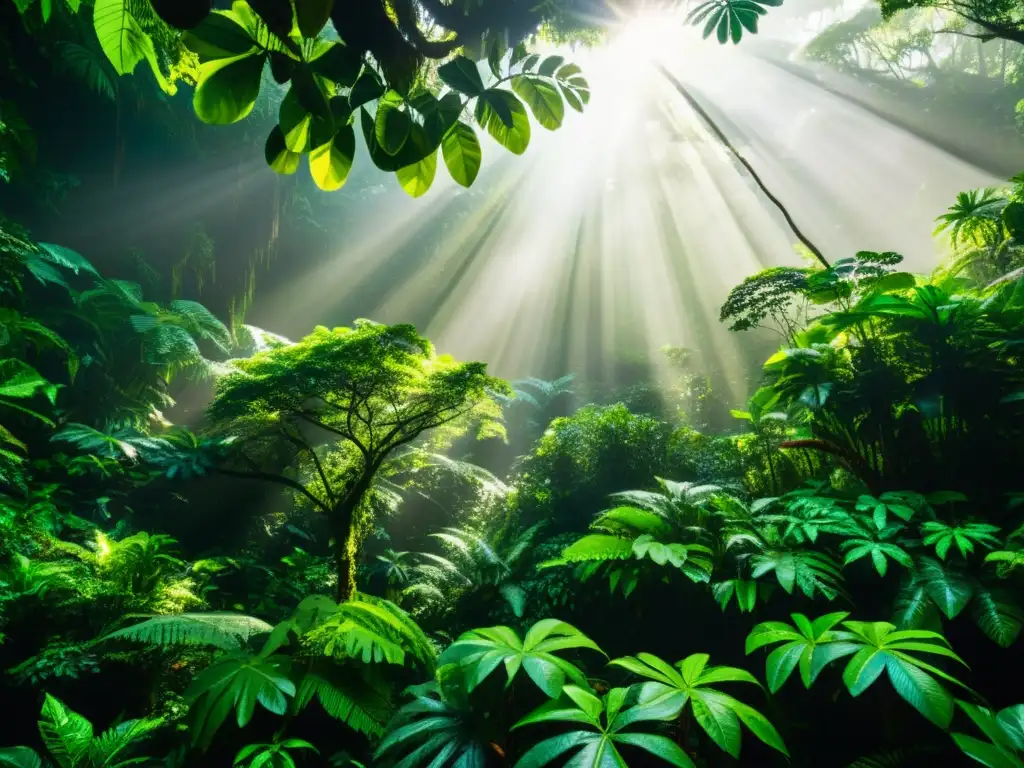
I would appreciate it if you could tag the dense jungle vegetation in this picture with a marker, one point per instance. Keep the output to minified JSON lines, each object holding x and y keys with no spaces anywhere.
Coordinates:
{"x":362,"y":551}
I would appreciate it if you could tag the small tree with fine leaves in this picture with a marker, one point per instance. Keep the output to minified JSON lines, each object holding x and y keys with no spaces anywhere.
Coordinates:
{"x":343,"y":401}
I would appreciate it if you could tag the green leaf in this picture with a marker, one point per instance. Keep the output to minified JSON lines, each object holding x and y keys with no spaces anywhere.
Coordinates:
{"x":417,"y":178}
{"x":123,"y":39}
{"x":480,"y":651}
{"x":228,"y":631}
{"x":997,"y":614}
{"x":921,"y":691}
{"x":461,"y":74}
{"x":367,"y":88}
{"x":571,"y":98}
{"x":543,"y":99}
{"x":985,"y":753}
{"x":759,"y":725}
{"x":495,"y":53}
{"x":339,"y":64}
{"x":491,"y":107}
{"x":462,"y":153}
{"x":227,"y":89}
{"x":659,"y":746}
{"x":311,"y":91}
{"x":19,"y":757}
{"x":781,"y":662}
{"x":392,"y":124}
{"x":66,"y":734}
{"x":312,"y":15}
{"x":330,"y":164}
{"x":549,"y":65}
{"x":295,"y":121}
{"x":946,"y":588}
{"x":719,"y":722}
{"x":219,"y":36}
{"x":237,"y":682}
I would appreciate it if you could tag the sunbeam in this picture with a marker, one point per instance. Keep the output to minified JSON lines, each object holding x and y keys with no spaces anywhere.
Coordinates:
{"x":635,"y":216}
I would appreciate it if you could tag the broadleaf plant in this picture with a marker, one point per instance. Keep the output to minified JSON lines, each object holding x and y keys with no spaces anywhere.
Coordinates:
{"x":480,"y":651}
{"x":689,"y":682}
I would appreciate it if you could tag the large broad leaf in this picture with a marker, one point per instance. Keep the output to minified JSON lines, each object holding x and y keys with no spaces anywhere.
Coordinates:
{"x":221,"y":35}
{"x":337,"y":63}
{"x":922,"y":691}
{"x":295,"y":121}
{"x":367,"y":88}
{"x":417,"y":178}
{"x":19,"y":757}
{"x":997,"y":614}
{"x":392,"y":124}
{"x":462,"y":153}
{"x":312,"y":15}
{"x":543,"y":98}
{"x":330,"y":164}
{"x":503,"y":116}
{"x":281,"y":159}
{"x":66,"y":734}
{"x":461,"y":74}
{"x":950,"y":591}
{"x":123,"y":40}
{"x":228,"y":88}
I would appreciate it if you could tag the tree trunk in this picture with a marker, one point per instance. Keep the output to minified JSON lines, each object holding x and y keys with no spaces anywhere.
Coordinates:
{"x":341,"y":522}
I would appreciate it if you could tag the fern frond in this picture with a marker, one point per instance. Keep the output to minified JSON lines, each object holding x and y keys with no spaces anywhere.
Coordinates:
{"x":228,"y":631}
{"x":202,"y":323}
{"x":113,"y":741}
{"x":632,"y":521}
{"x":88,"y":66}
{"x":352,"y":695}
{"x":598,"y":547}
{"x":373,"y":630}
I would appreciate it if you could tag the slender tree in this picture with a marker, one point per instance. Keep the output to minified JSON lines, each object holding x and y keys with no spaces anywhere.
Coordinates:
{"x":343,"y":401}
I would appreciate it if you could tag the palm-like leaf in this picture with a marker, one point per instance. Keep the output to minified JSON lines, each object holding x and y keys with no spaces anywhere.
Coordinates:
{"x":480,"y":651}
{"x":975,"y":217}
{"x":237,"y":682}
{"x":435,"y":728}
{"x":689,"y":682}
{"x":965,"y":536}
{"x":875,"y":647}
{"x":807,"y":644}
{"x":603,"y":733}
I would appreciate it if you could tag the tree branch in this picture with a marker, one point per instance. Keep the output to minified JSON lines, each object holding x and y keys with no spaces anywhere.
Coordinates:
{"x":350,"y":436}
{"x":279,"y":480}
{"x":302,"y":445}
